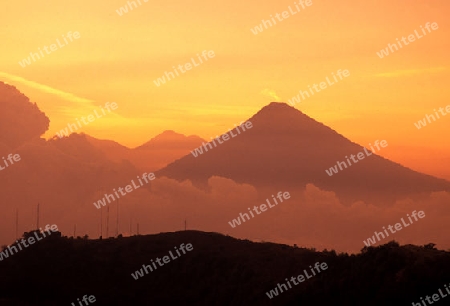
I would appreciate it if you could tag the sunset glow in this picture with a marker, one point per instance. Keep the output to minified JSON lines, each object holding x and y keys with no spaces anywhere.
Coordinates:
{"x":116,"y":58}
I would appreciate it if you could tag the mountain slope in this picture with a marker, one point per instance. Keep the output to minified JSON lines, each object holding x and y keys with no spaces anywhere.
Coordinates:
{"x":152,"y":155}
{"x":287,"y":149}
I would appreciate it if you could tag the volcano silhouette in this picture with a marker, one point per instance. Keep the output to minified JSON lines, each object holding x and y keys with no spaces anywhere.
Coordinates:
{"x":287,"y":149}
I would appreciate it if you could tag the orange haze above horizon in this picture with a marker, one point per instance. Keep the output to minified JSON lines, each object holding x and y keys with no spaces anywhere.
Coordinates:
{"x":117,"y":58}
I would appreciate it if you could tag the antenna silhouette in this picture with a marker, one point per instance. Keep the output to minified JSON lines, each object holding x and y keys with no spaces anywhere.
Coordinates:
{"x":131,"y":230}
{"x":37,"y":221}
{"x":185,"y":222}
{"x":107,"y":221}
{"x":117,"y":220}
{"x":74,"y":230}
{"x":17,"y":223}
{"x":101,"y":221}
{"x":101,"y":217}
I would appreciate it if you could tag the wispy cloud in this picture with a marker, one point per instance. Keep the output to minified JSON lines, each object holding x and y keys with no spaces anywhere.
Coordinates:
{"x":62,"y":94}
{"x":80,"y":107}
{"x":271,"y":93}
{"x":411,"y":72}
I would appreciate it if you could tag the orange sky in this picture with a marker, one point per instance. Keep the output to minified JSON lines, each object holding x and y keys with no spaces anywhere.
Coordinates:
{"x":117,"y":58}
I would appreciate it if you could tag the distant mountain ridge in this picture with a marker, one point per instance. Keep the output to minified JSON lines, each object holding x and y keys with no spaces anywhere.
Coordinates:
{"x":284,"y":150}
{"x":152,"y":155}
{"x":171,"y":140}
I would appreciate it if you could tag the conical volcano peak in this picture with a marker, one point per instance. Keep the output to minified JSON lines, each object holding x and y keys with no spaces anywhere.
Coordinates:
{"x":279,"y":109}
{"x":294,"y":150}
{"x":286,"y":117}
{"x":277,"y":105}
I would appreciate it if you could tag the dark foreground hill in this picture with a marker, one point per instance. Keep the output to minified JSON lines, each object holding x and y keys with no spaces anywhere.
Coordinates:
{"x":219,"y":270}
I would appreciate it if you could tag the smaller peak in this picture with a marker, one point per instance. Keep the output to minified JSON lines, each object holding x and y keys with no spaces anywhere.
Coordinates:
{"x":169,"y":132}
